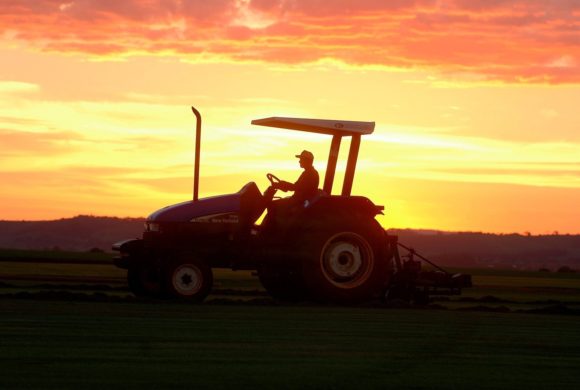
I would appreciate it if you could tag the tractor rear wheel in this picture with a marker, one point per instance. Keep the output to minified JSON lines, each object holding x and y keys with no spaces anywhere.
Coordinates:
{"x":144,"y":281}
{"x":283,"y":283}
{"x":346,"y":264}
{"x":188,"y":279}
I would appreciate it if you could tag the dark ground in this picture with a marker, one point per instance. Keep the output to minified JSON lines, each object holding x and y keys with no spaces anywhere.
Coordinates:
{"x":75,"y":325}
{"x":59,"y":344}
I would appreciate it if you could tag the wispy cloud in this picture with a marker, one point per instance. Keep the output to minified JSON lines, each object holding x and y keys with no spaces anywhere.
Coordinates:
{"x":448,"y":158}
{"x":514,"y":41}
{"x":27,"y":143}
{"x":16,"y":87}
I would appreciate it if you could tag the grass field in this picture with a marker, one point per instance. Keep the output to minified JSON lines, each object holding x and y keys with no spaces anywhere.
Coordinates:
{"x":90,"y":340}
{"x":102,"y":345}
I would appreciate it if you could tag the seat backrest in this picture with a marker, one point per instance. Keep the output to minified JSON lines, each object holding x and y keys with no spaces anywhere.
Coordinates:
{"x":252,"y":204}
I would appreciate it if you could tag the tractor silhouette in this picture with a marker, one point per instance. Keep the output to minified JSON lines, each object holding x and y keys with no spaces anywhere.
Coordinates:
{"x":330,"y":248}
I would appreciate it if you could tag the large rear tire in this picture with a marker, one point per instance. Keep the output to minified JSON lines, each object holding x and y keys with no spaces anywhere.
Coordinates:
{"x":346,"y":264}
{"x":188,"y":279}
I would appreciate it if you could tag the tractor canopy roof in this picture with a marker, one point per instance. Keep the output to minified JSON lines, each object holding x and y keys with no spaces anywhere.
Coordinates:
{"x":322,"y":126}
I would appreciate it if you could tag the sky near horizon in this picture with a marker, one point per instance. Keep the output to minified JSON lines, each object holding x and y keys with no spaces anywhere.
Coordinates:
{"x":475,"y":104}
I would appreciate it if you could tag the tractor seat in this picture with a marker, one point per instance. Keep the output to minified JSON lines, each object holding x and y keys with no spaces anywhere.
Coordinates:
{"x":252,"y":204}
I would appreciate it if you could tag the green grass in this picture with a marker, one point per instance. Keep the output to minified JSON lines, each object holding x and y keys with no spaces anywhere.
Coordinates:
{"x":87,"y":345}
{"x":525,"y":286}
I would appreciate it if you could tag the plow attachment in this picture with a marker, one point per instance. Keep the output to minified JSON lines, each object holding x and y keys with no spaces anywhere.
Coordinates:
{"x":410,"y":282}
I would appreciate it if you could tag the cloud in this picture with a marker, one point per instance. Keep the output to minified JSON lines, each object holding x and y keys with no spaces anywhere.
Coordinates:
{"x":509,"y":40}
{"x":26,"y":143}
{"x":505,"y":171}
{"x":554,"y":177}
{"x":17,"y":87}
{"x":514,"y":41}
{"x":91,"y":180}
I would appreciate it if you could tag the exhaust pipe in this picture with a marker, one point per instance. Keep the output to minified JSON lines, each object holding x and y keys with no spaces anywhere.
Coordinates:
{"x":197,"y":152}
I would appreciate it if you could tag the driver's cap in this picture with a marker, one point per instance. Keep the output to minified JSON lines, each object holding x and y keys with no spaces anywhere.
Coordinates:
{"x":306,"y":155}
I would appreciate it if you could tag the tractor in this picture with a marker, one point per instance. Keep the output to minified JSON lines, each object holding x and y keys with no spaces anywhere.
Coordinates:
{"x":328,"y":249}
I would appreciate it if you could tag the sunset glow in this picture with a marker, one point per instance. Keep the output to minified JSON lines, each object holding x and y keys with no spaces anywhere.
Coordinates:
{"x":475,"y":104}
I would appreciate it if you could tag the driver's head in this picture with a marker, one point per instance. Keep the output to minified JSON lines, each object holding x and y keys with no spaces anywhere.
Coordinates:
{"x":306,"y":158}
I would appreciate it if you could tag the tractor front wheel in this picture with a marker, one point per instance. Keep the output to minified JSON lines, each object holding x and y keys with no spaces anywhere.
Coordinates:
{"x":188,"y":279}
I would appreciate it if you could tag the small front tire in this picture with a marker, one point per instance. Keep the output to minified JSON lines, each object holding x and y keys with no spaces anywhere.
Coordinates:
{"x":189,"y":279}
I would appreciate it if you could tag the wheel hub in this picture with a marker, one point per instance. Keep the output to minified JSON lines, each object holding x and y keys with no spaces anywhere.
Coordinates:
{"x":347,"y":260}
{"x":343,"y":260}
{"x":187,"y":279}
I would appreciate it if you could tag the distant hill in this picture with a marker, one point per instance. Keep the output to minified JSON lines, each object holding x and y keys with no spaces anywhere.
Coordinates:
{"x":494,"y":250}
{"x":85,"y":233}
{"x":80,"y":233}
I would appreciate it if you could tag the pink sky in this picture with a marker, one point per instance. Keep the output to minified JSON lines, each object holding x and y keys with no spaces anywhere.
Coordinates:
{"x":516,"y":41}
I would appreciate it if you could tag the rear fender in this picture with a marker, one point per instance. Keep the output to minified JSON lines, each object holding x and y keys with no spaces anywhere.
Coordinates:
{"x":333,"y":204}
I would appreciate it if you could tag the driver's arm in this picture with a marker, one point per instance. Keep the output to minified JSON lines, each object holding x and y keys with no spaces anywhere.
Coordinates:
{"x":286,"y":186}
{"x":300,"y":183}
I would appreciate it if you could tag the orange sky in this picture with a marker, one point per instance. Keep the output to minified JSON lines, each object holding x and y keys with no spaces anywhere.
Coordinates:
{"x":475,"y":104}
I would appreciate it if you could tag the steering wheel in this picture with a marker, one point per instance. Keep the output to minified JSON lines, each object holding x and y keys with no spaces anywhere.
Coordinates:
{"x":273,"y":179}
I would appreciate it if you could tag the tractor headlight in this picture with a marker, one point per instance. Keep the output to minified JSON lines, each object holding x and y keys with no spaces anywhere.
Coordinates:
{"x":151,"y":226}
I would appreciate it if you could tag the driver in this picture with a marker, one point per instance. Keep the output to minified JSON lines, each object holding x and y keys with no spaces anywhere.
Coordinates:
{"x":306,"y":186}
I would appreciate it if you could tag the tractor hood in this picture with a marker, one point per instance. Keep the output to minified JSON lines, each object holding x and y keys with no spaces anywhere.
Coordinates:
{"x":247,"y":202}
{"x":187,"y":211}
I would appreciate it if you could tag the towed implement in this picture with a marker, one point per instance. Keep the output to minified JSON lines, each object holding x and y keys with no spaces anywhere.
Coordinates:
{"x":330,"y":248}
